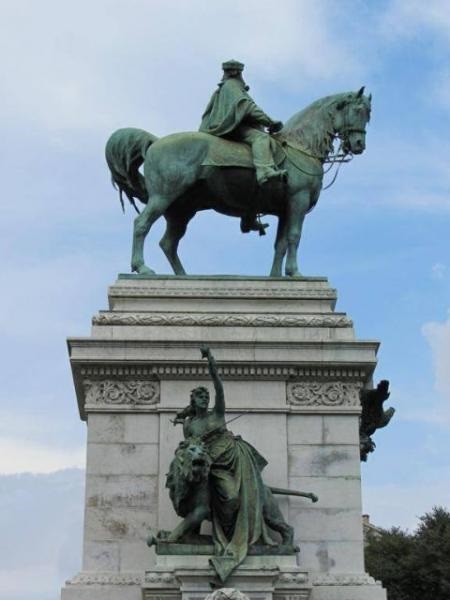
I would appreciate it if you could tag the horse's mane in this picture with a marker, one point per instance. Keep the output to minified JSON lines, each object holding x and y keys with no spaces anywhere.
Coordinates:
{"x":312,"y":128}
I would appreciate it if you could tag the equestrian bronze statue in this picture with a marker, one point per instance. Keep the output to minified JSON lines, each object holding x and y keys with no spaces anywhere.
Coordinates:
{"x":242,"y":163}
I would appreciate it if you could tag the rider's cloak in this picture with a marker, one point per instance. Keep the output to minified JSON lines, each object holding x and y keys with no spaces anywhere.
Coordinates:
{"x":229,"y":106}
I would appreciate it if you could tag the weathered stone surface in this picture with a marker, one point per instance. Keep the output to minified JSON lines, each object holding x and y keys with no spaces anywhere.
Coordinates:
{"x":333,"y":492}
{"x":330,"y":524}
{"x":122,"y":459}
{"x":340,"y":429}
{"x":100,"y":555}
{"x":107,"y":524}
{"x":135,"y":555}
{"x":323,"y":460}
{"x":305,"y":429}
{"x":332,"y":557}
{"x":127,"y":428}
{"x":127,"y":491}
{"x":113,"y":591}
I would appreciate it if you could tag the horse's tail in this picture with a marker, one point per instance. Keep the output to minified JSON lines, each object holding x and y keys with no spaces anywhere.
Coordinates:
{"x":125,"y":152}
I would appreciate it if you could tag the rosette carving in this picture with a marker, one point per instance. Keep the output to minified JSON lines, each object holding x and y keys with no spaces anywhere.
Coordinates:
{"x":110,"y":391}
{"x":329,"y":393}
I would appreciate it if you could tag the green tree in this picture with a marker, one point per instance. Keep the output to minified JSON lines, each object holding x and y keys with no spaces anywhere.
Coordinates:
{"x":388,"y":559}
{"x":431,"y":555}
{"x":413,"y":566}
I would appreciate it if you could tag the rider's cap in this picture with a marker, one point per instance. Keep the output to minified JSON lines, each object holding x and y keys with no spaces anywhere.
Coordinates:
{"x":232,"y":65}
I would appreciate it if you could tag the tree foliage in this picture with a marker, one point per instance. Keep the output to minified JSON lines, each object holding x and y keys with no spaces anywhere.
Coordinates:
{"x":413,"y":566}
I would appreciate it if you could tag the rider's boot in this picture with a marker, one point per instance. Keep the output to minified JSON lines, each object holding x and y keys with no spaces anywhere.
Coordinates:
{"x":266,"y":173}
{"x":251,"y":223}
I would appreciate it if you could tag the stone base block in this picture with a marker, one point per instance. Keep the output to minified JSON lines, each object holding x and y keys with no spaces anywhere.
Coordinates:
{"x":347,"y":587}
{"x":90,"y":585}
{"x":259,"y":578}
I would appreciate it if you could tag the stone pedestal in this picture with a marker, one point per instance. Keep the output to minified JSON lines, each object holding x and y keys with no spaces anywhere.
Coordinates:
{"x":291,"y":367}
{"x":260,"y":578}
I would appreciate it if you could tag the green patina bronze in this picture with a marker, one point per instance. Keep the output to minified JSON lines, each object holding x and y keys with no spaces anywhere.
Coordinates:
{"x":236,"y":168}
{"x":373,"y":416}
{"x":216,"y":476}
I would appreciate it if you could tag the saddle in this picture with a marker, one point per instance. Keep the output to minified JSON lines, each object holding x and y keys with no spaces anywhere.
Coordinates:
{"x":227,"y":153}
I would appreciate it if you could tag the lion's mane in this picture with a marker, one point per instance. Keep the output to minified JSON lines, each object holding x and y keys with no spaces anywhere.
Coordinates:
{"x":189,"y":467}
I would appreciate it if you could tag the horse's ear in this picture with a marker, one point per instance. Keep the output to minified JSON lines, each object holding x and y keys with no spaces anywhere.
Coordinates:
{"x":360,"y":92}
{"x":370,"y":98}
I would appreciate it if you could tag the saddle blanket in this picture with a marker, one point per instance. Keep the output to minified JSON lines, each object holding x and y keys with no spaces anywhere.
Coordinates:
{"x":226,"y":153}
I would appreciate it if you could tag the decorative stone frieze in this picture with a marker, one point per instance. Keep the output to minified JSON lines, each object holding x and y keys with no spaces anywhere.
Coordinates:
{"x":221,"y":292}
{"x":114,"y":392}
{"x":220,"y":320}
{"x":327,"y":393}
{"x":231,"y":371}
{"x":344,"y":579}
{"x":106,"y":578}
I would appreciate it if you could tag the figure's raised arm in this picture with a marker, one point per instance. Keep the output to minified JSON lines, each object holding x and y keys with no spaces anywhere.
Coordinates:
{"x":219,"y":406}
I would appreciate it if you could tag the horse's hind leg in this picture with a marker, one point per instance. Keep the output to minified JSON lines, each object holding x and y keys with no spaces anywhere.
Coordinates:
{"x":175,"y":229}
{"x":155,"y":207}
{"x":280,"y":248}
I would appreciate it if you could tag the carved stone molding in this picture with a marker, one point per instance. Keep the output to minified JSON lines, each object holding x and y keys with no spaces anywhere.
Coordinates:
{"x":157,"y":594}
{"x":166,"y":577}
{"x":292,"y":579}
{"x":345,"y":579}
{"x":327,"y":393}
{"x":221,"y":320}
{"x":129,"y":392}
{"x":106,"y":578}
{"x":226,"y":291}
{"x":227,"y":371}
{"x":290,"y":595}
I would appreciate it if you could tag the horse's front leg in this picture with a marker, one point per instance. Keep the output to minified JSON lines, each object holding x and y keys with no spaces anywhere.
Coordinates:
{"x":280,"y":247}
{"x":155,"y":207}
{"x":298,"y":205}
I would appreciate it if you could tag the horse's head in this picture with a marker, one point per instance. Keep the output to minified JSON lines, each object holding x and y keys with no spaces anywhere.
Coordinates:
{"x":351,"y":117}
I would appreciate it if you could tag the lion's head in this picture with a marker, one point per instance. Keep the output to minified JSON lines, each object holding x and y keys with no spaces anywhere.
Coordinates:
{"x":189,"y":467}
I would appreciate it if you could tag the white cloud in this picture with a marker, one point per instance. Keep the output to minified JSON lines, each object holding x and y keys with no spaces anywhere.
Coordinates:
{"x":411,"y":20}
{"x":438,"y":337}
{"x":18,"y":455}
{"x":23,"y":583}
{"x":438,"y":271}
{"x":41,"y":520}
{"x":407,"y":18}
{"x":104,"y":63}
{"x":402,"y":504}
{"x":411,"y":171}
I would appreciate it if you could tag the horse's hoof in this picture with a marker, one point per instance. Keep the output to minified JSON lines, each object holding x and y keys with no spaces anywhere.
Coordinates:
{"x":293,"y":274}
{"x":144,"y":270}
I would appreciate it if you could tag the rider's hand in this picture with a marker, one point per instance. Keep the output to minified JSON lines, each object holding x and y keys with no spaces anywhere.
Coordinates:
{"x":275,"y":127}
{"x":205,"y":351}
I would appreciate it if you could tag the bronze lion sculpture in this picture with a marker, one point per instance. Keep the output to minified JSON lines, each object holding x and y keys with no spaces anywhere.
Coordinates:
{"x":188,"y":484}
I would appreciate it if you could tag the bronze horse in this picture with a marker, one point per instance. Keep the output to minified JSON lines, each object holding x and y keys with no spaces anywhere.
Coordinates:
{"x":188,"y":172}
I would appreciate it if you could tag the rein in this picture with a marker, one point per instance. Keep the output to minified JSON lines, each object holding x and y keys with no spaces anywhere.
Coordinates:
{"x":334,"y":159}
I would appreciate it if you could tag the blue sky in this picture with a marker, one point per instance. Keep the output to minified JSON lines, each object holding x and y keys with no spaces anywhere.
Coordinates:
{"x":74,"y":72}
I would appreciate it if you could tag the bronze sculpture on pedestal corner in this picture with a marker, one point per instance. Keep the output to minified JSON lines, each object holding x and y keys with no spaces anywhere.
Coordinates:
{"x":216,"y":476}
